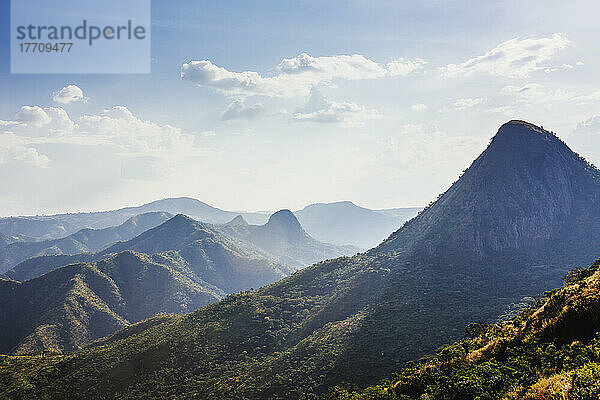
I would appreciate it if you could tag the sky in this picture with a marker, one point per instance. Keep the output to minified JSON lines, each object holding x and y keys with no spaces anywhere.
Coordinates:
{"x":267,"y":105}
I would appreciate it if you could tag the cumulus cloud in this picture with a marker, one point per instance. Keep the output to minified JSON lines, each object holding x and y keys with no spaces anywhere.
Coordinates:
{"x":294,"y":76}
{"x":515,"y":58}
{"x":319,"y":109}
{"x":239,"y":110}
{"x":116,"y":127}
{"x":403,"y":67}
{"x":38,"y":121}
{"x":16,"y":149}
{"x":69,"y":94}
{"x":136,"y":137}
{"x":463,"y":104}
{"x":33,"y":115}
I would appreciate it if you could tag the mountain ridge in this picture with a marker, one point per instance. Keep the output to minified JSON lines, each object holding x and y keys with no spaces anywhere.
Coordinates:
{"x":83,"y":241}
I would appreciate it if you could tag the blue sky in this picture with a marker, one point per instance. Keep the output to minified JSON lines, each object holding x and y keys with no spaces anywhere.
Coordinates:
{"x":286,"y":103}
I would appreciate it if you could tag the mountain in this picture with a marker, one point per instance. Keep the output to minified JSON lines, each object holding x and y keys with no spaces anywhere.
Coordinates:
{"x":229,"y":263}
{"x":85,"y":240}
{"x":344,"y":223}
{"x":283,"y":237}
{"x":4,"y":240}
{"x":527,"y":196}
{"x":61,"y":225}
{"x":68,"y":301}
{"x":226,"y":262}
{"x":76,"y":304}
{"x":359,"y":319}
{"x":337,"y":223}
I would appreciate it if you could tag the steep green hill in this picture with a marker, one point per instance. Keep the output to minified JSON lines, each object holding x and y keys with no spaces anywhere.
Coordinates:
{"x":76,"y":304}
{"x":284,"y":238}
{"x":83,"y":241}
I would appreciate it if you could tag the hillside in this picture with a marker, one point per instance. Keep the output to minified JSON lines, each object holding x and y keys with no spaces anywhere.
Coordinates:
{"x":73,"y":305}
{"x":83,"y":241}
{"x":549,"y":351}
{"x":284,"y":238}
{"x":360,"y":319}
{"x":344,"y":223}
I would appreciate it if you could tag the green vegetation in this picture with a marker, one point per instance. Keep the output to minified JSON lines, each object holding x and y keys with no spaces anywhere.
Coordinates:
{"x":549,"y":351}
{"x":71,"y":306}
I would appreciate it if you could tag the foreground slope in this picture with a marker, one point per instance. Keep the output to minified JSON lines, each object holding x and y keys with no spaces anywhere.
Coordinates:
{"x":548,"y":351}
{"x":71,"y":306}
{"x":83,"y":241}
{"x":284,"y":238}
{"x":360,"y":318}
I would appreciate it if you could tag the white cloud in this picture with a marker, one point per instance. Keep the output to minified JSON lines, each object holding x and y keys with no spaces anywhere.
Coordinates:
{"x":38,"y":121}
{"x":515,"y":58}
{"x":418,"y":107}
{"x":33,"y":115}
{"x":534,"y":93}
{"x":15,"y":149}
{"x":69,"y":94}
{"x":463,"y":104}
{"x":320,"y":110}
{"x":117,"y":127}
{"x":294,"y":76}
{"x":239,"y":110}
{"x":136,"y":137}
{"x":402,"y":67}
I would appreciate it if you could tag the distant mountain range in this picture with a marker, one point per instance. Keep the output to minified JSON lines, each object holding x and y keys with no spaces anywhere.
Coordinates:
{"x":346,"y":223}
{"x":83,"y":241}
{"x":283,"y":237}
{"x":337,"y":223}
{"x":197,"y":264}
{"x":524,"y":212}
